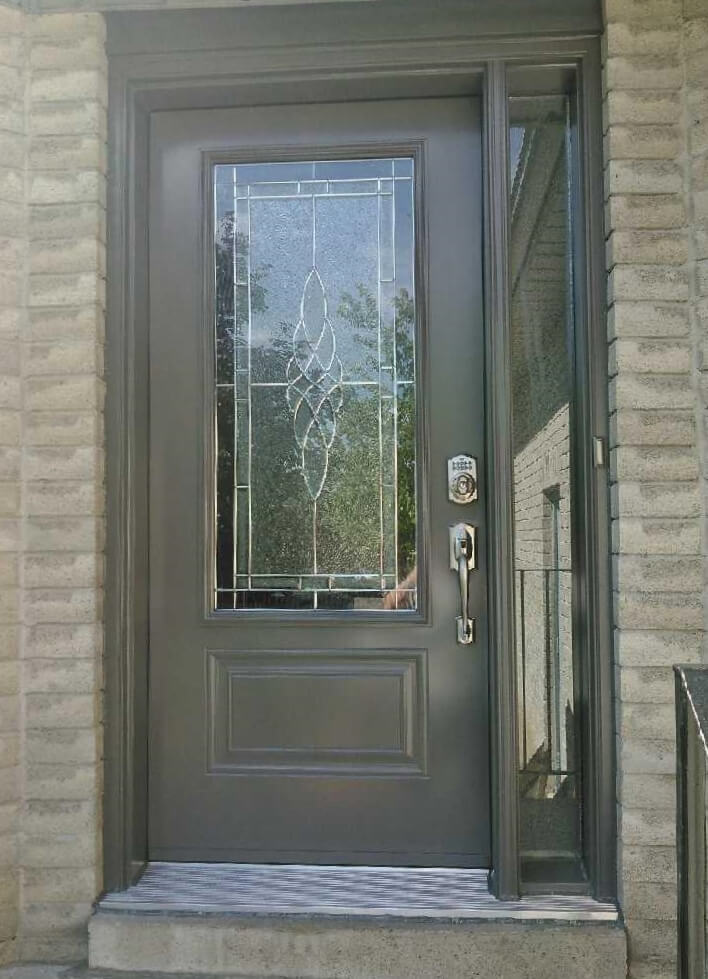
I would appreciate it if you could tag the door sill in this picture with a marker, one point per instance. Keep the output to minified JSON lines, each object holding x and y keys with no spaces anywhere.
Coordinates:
{"x":389,"y":892}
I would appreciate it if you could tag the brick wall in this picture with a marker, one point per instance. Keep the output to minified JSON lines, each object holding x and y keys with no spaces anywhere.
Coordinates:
{"x":657,"y":434}
{"x":52,"y":233}
{"x":52,"y":164}
{"x":13,"y":249}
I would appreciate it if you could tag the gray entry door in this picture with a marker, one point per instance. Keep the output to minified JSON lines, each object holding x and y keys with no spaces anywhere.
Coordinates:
{"x":316,"y":358}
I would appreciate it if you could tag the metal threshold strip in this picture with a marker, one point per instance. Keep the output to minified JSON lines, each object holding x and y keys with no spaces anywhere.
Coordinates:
{"x":352,"y":891}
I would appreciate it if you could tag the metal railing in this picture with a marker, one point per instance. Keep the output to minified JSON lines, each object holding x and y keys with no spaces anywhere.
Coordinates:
{"x":691,"y":759}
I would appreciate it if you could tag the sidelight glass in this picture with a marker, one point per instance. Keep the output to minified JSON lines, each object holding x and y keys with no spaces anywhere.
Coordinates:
{"x":542,"y":366}
{"x":315,"y":385}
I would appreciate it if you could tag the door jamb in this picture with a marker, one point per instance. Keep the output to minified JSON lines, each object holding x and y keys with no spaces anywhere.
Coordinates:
{"x":143,"y":83}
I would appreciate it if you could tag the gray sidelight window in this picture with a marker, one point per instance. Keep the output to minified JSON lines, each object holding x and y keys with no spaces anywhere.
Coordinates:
{"x":542,"y":376}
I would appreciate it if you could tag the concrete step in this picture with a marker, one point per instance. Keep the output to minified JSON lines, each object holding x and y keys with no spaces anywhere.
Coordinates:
{"x":240,"y":946}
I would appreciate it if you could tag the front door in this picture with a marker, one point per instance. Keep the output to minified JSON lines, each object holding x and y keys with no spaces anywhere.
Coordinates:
{"x":316,"y":360}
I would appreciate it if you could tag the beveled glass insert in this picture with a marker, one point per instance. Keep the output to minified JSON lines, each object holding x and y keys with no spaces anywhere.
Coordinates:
{"x":315,"y":385}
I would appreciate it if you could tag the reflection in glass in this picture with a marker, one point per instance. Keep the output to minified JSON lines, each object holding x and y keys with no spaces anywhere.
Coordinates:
{"x":542,"y":384}
{"x":315,"y":385}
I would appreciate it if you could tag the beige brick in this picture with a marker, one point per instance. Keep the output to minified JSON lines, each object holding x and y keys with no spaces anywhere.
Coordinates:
{"x":64,"y":534}
{"x":64,"y":641}
{"x":63,"y":570}
{"x":637,"y":11}
{"x":655,"y":648}
{"x":67,"y":26}
{"x":9,"y":499}
{"x":645,"y":142}
{"x":62,"y":428}
{"x":67,"y":52}
{"x":68,"y":255}
{"x":650,"y":939}
{"x":43,"y":918}
{"x":63,"y":221}
{"x":68,"y":118}
{"x":655,"y":499}
{"x":9,"y":569}
{"x":648,"y":827}
{"x":647,"y":248}
{"x":647,"y":391}
{"x":63,"y":747}
{"x":9,"y":641}
{"x":659,"y":573}
{"x":51,"y":820}
{"x":65,"y":323}
{"x":9,"y":605}
{"x":656,"y":901}
{"x":52,"y":781}
{"x":647,"y":282}
{"x":60,"y":675}
{"x":9,"y":677}
{"x":647,"y":684}
{"x":640,"y":756}
{"x":62,"y":605}
{"x":66,"y":85}
{"x":641,"y":107}
{"x":663,"y":71}
{"x":651,"y":357}
{"x":59,"y":497}
{"x":60,"y":710}
{"x":65,"y":463}
{"x":76,"y":289}
{"x":44,"y":886}
{"x":70,"y":851}
{"x":650,"y":427}
{"x":645,"y":211}
{"x":81,"y":186}
{"x":658,"y":610}
{"x":649,"y":863}
{"x":656,"y":536}
{"x":71,"y":393}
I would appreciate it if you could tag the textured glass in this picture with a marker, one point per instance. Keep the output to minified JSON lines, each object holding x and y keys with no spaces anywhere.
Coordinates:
{"x":542,"y":358}
{"x":315,"y":385}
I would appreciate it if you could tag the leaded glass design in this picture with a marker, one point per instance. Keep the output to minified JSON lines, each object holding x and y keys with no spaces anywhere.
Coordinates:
{"x":315,"y":393}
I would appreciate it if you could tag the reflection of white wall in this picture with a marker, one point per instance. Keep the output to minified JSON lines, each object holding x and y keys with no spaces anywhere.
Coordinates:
{"x":542,"y":465}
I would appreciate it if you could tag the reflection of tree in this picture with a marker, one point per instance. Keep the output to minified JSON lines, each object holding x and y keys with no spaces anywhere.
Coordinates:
{"x":348,"y":514}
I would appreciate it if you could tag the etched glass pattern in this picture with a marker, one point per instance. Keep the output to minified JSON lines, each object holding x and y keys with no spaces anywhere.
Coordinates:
{"x":315,"y":385}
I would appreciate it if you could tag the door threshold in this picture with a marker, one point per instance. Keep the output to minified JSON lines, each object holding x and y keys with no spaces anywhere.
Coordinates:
{"x":295,"y":889}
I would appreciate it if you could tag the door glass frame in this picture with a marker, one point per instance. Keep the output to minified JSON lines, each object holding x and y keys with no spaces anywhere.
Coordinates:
{"x":414,"y":150}
{"x":142,"y":83}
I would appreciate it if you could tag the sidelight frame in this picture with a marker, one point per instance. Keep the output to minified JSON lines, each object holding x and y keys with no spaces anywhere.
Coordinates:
{"x":153,"y":75}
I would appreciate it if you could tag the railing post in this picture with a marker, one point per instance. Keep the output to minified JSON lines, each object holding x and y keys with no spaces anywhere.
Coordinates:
{"x":690,"y":836}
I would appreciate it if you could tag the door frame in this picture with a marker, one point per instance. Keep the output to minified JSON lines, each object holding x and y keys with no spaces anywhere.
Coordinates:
{"x":464,"y":64}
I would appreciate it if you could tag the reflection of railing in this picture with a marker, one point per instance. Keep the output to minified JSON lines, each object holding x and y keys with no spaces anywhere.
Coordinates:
{"x":691,"y":731}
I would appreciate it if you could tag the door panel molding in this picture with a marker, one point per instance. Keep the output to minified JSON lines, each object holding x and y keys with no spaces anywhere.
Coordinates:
{"x":179,"y":78}
{"x":389,"y":685}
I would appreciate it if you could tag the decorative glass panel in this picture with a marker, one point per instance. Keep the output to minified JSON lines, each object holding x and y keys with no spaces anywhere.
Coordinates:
{"x":542,"y":365}
{"x":315,"y":385}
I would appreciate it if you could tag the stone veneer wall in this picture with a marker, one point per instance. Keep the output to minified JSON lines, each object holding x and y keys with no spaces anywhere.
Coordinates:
{"x":13,"y":250}
{"x":52,"y":204}
{"x":52,"y":164}
{"x":655,"y":71}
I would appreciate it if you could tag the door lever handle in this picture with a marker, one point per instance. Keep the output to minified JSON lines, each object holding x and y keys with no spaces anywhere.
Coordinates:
{"x":463,"y":559}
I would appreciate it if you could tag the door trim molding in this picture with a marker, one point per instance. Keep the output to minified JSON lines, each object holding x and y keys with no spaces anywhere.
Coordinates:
{"x":183,"y":78}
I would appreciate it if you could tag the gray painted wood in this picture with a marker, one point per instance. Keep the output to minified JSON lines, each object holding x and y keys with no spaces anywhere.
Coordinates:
{"x":431,"y":807}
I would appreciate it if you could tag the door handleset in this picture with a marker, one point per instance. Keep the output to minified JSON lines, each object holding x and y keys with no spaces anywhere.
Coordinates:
{"x":463,"y":559}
